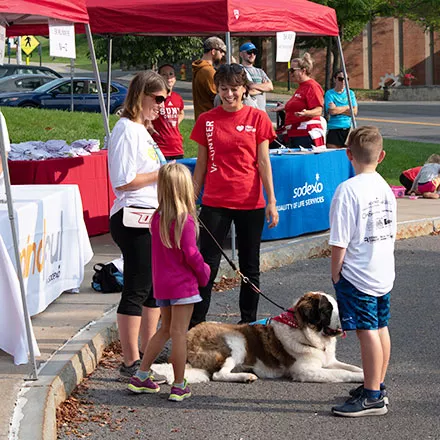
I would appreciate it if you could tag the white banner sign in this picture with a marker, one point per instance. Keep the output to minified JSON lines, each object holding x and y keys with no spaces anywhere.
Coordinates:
{"x":285,"y":43}
{"x":2,"y":44}
{"x":62,"y":39}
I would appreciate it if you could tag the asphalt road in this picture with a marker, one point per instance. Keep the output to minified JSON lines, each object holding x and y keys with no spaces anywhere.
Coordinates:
{"x":283,"y":409}
{"x":416,"y":121}
{"x":413,"y":121}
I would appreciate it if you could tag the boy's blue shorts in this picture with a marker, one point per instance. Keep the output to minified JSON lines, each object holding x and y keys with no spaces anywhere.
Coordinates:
{"x":359,"y":311}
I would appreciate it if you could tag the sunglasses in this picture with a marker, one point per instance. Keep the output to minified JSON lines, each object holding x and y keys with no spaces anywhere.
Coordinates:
{"x":159,"y":99}
{"x":341,"y":78}
{"x":292,"y":69}
{"x":235,"y":67}
{"x":252,"y":52}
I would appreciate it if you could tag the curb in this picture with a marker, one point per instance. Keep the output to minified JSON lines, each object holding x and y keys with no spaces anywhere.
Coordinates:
{"x":35,"y":413}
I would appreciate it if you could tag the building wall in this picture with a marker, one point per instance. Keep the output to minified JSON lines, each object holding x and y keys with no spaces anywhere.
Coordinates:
{"x":384,"y":48}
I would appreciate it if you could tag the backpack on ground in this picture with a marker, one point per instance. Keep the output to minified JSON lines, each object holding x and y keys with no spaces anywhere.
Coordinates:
{"x":107,"y":278}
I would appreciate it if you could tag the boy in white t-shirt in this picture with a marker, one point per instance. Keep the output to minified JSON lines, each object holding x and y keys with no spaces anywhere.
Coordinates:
{"x":362,"y":236}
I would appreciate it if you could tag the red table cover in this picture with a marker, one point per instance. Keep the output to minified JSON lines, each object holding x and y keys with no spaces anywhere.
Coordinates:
{"x":90,"y":173}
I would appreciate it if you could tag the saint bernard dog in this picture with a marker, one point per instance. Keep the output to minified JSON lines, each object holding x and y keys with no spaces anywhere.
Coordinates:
{"x":299,"y":344}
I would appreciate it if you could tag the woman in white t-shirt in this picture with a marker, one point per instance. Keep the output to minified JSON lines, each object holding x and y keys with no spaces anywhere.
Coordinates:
{"x":133,"y":166}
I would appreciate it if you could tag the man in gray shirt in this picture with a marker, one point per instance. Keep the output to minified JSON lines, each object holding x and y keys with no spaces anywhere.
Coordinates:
{"x":260,"y":82}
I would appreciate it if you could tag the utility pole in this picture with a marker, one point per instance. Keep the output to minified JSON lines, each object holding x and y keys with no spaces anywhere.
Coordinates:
{"x":19,"y":61}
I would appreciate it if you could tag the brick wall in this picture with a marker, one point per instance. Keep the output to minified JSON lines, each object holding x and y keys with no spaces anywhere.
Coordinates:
{"x":384,"y":55}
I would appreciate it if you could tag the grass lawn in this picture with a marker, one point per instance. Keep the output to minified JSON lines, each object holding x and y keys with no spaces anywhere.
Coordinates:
{"x":37,"y":124}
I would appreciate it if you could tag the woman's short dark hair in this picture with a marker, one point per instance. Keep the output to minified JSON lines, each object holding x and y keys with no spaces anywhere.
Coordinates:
{"x":165,"y":65}
{"x":232,"y":74}
{"x":335,"y":75}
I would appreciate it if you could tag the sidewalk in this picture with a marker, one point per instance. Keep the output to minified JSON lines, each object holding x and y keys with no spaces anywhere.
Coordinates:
{"x":73,"y":331}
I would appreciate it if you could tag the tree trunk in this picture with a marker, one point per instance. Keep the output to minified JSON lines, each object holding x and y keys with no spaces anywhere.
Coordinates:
{"x":328,"y":64}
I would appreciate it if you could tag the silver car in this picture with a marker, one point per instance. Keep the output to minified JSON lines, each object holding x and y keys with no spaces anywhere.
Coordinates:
{"x":23,"y":83}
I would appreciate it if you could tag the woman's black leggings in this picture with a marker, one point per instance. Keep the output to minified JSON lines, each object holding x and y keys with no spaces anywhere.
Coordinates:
{"x":135,"y":245}
{"x":249,"y":226}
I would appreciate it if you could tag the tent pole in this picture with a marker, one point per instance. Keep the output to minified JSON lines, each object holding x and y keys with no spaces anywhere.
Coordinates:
{"x":109,"y":70}
{"x":27,"y":321}
{"x":228,"y":47}
{"x":347,"y":87}
{"x":98,"y":83}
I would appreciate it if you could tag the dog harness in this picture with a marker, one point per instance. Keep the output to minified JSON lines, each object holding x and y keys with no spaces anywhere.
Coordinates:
{"x":287,"y":317}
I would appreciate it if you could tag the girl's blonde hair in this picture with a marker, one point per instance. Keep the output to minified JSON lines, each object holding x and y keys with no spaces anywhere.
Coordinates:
{"x":434,"y":158}
{"x":143,"y":83}
{"x":175,"y":192}
{"x":305,"y":62}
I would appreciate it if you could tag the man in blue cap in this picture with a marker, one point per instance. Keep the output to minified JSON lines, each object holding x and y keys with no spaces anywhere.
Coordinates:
{"x":260,"y":82}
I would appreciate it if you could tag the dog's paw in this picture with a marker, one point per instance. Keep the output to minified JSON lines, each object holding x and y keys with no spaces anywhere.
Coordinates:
{"x":357,"y":377}
{"x":251,"y":378}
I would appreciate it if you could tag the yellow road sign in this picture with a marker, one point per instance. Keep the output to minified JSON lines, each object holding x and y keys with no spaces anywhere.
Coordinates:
{"x":28,"y":44}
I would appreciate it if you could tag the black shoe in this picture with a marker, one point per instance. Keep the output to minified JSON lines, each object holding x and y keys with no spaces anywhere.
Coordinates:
{"x":361,"y":406}
{"x":131,"y":370}
{"x":356,"y":392}
{"x":128,"y":372}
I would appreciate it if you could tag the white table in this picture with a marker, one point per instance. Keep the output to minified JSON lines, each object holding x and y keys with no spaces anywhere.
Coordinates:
{"x":54,"y":248}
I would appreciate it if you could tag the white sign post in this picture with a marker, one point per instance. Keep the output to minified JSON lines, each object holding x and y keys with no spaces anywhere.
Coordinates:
{"x":285,"y":43}
{"x":62,"y":39}
{"x":2,"y":44}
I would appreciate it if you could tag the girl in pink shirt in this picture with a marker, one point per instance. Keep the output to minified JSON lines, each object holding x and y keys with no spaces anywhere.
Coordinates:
{"x":178,"y":271}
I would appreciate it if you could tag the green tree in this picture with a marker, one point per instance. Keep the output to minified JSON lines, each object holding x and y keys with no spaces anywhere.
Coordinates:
{"x":148,"y":52}
{"x":352,"y":16}
{"x":424,"y":12}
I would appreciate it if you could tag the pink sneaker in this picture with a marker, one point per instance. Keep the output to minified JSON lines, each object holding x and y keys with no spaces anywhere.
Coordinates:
{"x":178,"y":394}
{"x":139,"y":386}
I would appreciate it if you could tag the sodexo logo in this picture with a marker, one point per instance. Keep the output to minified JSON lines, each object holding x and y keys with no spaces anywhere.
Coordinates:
{"x":308,"y":188}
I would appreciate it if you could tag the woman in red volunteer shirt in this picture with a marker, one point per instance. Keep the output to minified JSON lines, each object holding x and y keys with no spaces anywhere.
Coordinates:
{"x":166,"y":127}
{"x":304,"y":109}
{"x":232,"y":163}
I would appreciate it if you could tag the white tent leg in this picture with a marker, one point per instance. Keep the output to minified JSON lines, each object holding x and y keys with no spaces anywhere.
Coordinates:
{"x":109,"y":71}
{"x":347,"y":87}
{"x":34,"y":373}
{"x":98,"y":83}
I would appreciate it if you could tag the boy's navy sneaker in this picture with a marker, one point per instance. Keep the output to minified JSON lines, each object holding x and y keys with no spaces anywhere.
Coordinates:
{"x":356,"y":392}
{"x":361,"y":406}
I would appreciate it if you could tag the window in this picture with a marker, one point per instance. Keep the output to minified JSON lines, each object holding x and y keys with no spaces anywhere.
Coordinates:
{"x":94,"y":89}
{"x":64,"y":89}
{"x":29,"y":84}
{"x":45,"y":72}
{"x":3,"y":72}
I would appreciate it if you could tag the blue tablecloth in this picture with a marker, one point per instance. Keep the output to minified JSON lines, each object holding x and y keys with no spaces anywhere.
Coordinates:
{"x":304,"y":186}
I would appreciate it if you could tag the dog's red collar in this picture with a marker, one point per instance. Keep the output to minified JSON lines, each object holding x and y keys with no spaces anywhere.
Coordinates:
{"x":287,"y":318}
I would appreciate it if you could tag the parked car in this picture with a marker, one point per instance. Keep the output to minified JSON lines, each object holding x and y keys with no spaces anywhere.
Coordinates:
{"x":23,"y":83}
{"x":56,"y":95}
{"x":21,"y":69}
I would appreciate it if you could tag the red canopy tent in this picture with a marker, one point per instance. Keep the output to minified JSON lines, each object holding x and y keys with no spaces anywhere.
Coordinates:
{"x":186,"y":17}
{"x":31,"y":12}
{"x":203,"y":17}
